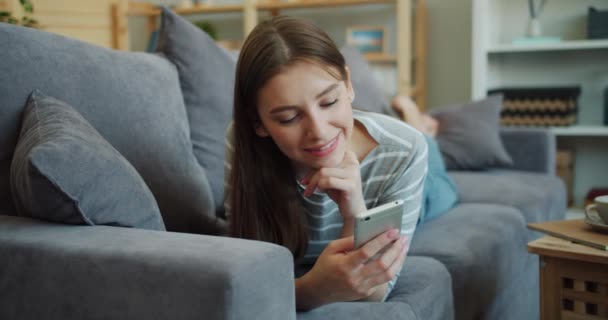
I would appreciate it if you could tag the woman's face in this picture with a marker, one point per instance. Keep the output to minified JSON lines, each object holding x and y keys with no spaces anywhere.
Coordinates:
{"x":308,"y":114}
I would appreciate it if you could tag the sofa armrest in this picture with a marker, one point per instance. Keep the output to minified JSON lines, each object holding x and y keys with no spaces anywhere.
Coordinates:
{"x":53,"y":271}
{"x":532,"y":149}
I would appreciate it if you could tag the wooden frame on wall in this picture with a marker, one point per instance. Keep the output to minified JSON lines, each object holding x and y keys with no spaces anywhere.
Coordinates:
{"x":370,"y":40}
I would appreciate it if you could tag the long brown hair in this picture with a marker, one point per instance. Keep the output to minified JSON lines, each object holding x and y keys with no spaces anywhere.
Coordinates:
{"x":264,"y":200}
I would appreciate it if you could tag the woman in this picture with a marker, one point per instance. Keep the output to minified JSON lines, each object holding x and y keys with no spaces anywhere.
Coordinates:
{"x":300,"y":164}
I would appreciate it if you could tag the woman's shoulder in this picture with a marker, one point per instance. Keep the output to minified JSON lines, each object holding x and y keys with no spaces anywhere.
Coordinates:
{"x":389,"y":131}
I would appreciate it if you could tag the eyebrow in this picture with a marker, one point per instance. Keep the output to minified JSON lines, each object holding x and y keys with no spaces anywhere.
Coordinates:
{"x":285,"y":108}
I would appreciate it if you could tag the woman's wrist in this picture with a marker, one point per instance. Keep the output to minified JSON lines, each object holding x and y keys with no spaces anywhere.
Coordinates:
{"x":348,"y":228}
{"x":306,"y":297}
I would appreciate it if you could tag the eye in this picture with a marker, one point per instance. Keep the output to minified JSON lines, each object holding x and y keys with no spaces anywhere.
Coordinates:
{"x":329,"y":104}
{"x":288,"y":121}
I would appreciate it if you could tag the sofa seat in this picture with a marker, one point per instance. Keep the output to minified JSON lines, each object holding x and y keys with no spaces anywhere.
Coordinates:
{"x":481,"y":246}
{"x":422,"y":280}
{"x":539,"y":197}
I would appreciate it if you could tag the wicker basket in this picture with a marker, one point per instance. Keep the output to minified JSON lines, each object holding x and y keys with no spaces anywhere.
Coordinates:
{"x":541,"y":107}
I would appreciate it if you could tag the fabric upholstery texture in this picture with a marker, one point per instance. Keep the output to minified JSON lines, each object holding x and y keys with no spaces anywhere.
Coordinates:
{"x":469,"y":136}
{"x":439,"y":193}
{"x":100,"y":272}
{"x":483,"y":248}
{"x":538,"y":197}
{"x":64,"y":171}
{"x":206,"y":76}
{"x":132,"y":99}
{"x":423,"y":279}
{"x":531,"y":149}
{"x":369,"y":96}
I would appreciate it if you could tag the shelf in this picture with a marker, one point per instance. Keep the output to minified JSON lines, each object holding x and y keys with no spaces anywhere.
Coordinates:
{"x":581,"y":131}
{"x":556,"y":46}
{"x":145,"y":9}
{"x":210,"y":9}
{"x":278,"y":5}
{"x":381,"y":58}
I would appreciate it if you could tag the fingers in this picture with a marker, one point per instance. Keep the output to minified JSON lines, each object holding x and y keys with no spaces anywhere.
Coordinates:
{"x":370,"y":249}
{"x":341,"y":245}
{"x":388,"y":275}
{"x":327,"y":178}
{"x":350,"y":158}
{"x":384,"y":268}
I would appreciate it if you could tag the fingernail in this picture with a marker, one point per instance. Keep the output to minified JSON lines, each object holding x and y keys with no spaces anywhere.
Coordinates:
{"x":403,"y":240}
{"x":393,"y":234}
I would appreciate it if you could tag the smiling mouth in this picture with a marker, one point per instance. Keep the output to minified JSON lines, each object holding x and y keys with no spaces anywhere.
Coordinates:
{"x":324,"y":149}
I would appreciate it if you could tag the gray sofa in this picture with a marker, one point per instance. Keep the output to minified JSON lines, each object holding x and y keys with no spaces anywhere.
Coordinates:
{"x":471,"y":263}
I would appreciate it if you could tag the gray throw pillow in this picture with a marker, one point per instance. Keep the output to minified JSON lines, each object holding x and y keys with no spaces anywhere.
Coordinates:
{"x":469,"y":136}
{"x":133,"y":99}
{"x":64,"y":171}
{"x":369,"y":96}
{"x":206,"y":75}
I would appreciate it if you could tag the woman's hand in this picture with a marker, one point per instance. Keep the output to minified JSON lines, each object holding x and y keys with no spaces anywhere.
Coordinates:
{"x":343,"y":275}
{"x":342,"y":184}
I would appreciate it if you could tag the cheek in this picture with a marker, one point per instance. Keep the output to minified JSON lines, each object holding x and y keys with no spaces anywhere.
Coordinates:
{"x":286,"y":140}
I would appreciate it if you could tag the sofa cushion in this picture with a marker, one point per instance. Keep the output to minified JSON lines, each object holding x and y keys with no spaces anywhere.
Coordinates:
{"x":206,"y":76}
{"x":483,"y":248}
{"x":369,"y":96}
{"x":132,"y":99}
{"x":539,"y":197}
{"x":469,"y":135}
{"x":422,"y":292}
{"x":64,"y":171}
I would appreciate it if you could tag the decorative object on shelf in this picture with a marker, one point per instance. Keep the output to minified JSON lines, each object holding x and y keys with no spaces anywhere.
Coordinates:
{"x":548,"y":106}
{"x":597,"y":24}
{"x":208,"y":28}
{"x":26,"y":20}
{"x":368,"y":39}
{"x":534,"y":27}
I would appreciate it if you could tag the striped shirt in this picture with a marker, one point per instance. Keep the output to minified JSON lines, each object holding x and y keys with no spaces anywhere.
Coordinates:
{"x":394,"y":169}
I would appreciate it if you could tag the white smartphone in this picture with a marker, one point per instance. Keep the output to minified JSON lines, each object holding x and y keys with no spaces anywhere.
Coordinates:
{"x":373,"y":222}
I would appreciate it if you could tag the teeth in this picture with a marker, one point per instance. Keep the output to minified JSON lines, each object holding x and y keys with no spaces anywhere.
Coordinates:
{"x":326,"y":146}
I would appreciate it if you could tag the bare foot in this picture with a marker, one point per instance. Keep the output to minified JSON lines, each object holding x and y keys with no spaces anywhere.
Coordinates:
{"x":409,"y":112}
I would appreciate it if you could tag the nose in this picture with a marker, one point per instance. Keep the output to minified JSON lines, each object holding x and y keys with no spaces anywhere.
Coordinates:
{"x":315,"y":126}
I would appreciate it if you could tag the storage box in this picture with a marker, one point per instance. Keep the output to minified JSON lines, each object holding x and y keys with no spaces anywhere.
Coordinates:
{"x":549,"y":106}
{"x":597,"y":24}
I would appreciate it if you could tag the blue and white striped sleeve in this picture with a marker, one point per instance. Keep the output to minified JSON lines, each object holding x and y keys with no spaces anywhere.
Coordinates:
{"x":408,"y":186}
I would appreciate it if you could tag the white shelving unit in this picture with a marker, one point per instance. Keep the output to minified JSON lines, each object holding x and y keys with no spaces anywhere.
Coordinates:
{"x":558,"y":46}
{"x":499,"y":61}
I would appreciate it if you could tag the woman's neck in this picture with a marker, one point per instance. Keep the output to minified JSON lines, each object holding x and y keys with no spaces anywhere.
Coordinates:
{"x":361,"y":142}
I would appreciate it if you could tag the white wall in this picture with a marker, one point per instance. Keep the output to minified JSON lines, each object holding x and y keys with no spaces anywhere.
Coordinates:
{"x":449,"y":46}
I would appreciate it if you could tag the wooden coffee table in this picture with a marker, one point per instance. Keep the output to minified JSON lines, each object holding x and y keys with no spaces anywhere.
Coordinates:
{"x":573,"y":280}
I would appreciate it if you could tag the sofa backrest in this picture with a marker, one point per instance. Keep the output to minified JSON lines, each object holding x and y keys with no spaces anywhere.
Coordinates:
{"x":133,"y":99}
